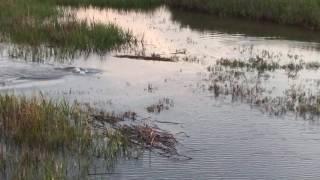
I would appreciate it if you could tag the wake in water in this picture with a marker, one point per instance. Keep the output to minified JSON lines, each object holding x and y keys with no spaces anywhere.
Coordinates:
{"x":13,"y":73}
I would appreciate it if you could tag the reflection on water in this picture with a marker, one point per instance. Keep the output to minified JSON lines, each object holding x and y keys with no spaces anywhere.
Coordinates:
{"x":240,"y":27}
{"x":166,"y":32}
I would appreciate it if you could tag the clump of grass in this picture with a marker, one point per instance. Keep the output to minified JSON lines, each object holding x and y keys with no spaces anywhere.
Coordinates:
{"x":257,"y":63}
{"x":37,"y":24}
{"x":161,"y":105}
{"x":37,"y":132}
{"x":261,"y":65}
{"x":304,"y":13}
{"x":71,"y":35}
{"x":41,"y":123}
{"x":306,"y":104}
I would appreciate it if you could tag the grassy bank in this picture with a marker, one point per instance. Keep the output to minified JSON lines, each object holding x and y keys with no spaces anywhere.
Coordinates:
{"x":304,"y":13}
{"x":41,"y":23}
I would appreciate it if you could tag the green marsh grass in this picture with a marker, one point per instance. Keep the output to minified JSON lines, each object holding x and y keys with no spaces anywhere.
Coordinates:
{"x":71,"y":36}
{"x":43,"y":123}
{"x":41,"y":137}
{"x":261,"y":65}
{"x":35,"y":23}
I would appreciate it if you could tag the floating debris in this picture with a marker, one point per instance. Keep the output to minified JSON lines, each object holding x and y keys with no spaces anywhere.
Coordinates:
{"x":147,"y":58}
{"x":154,"y":139}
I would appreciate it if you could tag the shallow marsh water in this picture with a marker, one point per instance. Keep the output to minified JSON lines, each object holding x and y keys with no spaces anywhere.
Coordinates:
{"x":225,"y":139}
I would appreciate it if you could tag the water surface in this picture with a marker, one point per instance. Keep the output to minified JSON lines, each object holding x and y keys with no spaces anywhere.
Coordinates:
{"x":225,"y":139}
